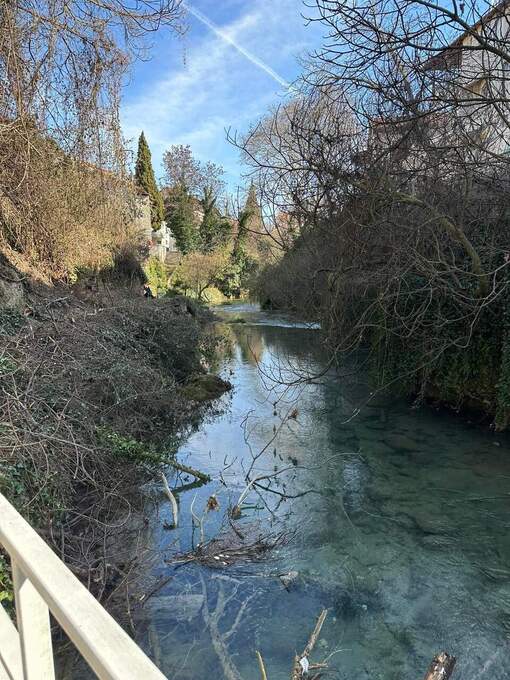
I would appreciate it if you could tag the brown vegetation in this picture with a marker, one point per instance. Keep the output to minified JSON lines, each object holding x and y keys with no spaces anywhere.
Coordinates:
{"x":393,"y":168}
{"x":65,"y":199}
{"x":93,"y":403}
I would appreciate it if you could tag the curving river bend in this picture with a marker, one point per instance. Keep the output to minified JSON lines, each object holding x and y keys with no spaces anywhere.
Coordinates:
{"x":403,"y":534}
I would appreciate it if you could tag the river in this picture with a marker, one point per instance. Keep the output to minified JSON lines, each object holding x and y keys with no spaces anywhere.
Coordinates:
{"x":398,"y":525}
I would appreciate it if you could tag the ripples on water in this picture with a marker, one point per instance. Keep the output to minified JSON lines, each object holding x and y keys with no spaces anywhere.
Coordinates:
{"x":405,"y":539}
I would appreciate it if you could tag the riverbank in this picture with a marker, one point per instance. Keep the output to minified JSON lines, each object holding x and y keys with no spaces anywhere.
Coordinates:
{"x":455,"y":361}
{"x":98,"y":388}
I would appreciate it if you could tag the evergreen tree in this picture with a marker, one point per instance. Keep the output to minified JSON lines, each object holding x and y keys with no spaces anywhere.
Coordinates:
{"x":252,"y":211}
{"x":214,"y":229}
{"x":181,"y":220}
{"x":144,"y":177}
{"x":241,"y":266}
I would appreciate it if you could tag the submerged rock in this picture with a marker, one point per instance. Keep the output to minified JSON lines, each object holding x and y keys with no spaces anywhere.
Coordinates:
{"x":288,"y":579}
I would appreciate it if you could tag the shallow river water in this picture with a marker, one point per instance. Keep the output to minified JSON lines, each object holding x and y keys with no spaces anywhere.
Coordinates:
{"x":399,"y":527}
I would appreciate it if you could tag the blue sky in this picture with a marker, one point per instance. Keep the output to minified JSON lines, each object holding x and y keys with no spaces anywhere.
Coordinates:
{"x":194,"y":87}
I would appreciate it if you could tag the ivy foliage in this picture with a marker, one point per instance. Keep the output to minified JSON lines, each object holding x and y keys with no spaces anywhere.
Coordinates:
{"x":131,"y":449}
{"x":180,"y":217}
{"x":472,"y":373}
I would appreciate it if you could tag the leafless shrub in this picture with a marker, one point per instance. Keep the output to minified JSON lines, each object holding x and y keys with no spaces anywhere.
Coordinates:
{"x":391,"y":164}
{"x":64,"y":198}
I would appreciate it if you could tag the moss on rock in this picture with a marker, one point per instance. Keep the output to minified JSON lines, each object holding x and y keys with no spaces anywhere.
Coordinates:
{"x":206,"y":387}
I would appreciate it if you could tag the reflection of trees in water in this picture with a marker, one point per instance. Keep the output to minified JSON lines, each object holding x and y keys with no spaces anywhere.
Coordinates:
{"x":284,"y":355}
{"x":251,"y":343}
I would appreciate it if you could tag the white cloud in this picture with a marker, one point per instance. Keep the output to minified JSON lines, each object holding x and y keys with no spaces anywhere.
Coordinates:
{"x":214,"y":86}
{"x":227,"y":37}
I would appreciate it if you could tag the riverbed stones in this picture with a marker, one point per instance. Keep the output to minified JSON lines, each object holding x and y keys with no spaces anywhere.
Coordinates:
{"x":288,"y":579}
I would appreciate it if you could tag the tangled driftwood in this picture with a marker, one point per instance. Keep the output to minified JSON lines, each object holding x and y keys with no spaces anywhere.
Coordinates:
{"x":230,"y":548}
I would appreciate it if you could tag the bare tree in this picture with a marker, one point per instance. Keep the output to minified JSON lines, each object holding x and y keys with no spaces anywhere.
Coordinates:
{"x":185,"y":172}
{"x":61,"y":67}
{"x":392,"y":164}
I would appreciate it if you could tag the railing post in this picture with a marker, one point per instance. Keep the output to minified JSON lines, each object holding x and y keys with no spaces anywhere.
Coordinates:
{"x":33,"y":619}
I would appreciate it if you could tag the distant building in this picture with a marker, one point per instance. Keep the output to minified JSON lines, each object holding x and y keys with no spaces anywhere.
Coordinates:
{"x":465,"y":117}
{"x":473,"y":75}
{"x":161,"y":242}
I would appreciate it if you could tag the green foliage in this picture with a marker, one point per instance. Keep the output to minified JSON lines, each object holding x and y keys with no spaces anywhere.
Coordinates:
{"x":11,"y":320}
{"x":144,"y":177}
{"x":242,"y":266}
{"x":131,"y":449}
{"x":181,"y":219}
{"x":474,"y":374}
{"x":205,"y":387}
{"x":157,"y":275}
{"x":19,"y":479}
{"x":14,"y":481}
{"x":6,"y":587}
{"x":214,"y":230}
{"x":236,"y":275}
{"x":7,"y":365}
{"x":503,"y":385}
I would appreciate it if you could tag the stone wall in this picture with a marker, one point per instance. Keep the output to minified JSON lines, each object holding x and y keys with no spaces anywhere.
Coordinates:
{"x":143,"y":218}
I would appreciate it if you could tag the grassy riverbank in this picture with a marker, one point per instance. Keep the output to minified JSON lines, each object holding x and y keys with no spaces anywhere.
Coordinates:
{"x":97,"y":390}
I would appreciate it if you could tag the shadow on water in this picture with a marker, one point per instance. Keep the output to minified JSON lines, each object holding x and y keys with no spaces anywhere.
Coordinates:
{"x":405,"y":538}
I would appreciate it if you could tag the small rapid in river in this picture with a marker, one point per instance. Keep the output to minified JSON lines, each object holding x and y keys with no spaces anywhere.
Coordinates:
{"x":398,"y":523}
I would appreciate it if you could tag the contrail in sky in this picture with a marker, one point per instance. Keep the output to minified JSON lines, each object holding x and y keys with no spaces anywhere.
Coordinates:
{"x":226,"y":38}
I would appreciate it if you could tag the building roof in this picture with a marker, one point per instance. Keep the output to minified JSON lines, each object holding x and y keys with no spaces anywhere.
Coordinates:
{"x":441,"y":59}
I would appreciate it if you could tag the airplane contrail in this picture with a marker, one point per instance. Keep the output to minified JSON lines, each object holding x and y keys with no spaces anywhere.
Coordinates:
{"x":226,"y":38}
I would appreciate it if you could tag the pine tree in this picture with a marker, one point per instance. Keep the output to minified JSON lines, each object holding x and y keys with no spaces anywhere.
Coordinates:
{"x":144,"y":177}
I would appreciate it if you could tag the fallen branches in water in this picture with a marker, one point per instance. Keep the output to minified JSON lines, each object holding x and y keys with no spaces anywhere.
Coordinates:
{"x":262,"y":667}
{"x":230,"y":548}
{"x":235,"y":512}
{"x":189,"y":470}
{"x":302,"y":665}
{"x":171,"y":498}
{"x":212,"y":619}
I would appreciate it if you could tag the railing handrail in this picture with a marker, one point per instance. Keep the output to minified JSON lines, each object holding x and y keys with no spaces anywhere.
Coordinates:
{"x":108,"y":649}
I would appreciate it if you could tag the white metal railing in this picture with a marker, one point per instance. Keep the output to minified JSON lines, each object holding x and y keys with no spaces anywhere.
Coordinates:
{"x":43,"y":584}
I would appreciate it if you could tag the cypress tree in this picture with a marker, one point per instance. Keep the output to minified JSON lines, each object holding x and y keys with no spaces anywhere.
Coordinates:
{"x":252,"y":211}
{"x":144,"y":177}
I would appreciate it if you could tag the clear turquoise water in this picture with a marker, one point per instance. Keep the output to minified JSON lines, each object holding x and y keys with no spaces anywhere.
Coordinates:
{"x":403,"y":536}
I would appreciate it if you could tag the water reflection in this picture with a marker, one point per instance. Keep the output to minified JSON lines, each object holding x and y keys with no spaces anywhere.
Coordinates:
{"x":404,"y":535}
